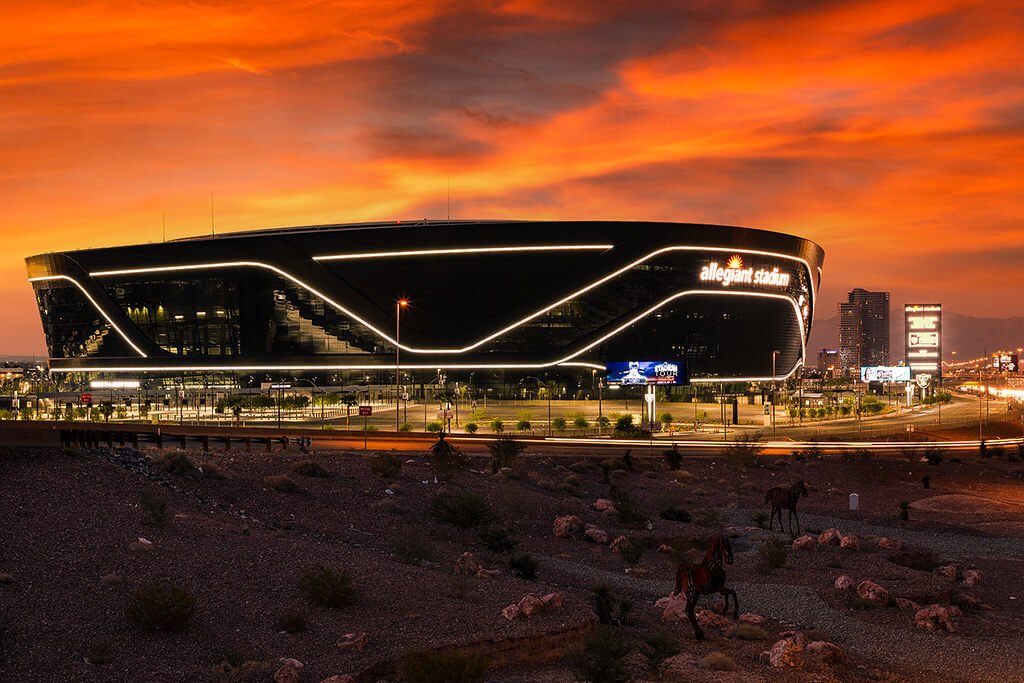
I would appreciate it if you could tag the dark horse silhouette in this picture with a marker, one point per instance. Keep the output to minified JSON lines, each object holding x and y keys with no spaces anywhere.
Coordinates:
{"x":695,"y":580}
{"x":781,"y":497}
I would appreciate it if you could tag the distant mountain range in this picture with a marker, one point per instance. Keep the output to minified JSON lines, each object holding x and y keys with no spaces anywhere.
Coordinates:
{"x":970,"y":337}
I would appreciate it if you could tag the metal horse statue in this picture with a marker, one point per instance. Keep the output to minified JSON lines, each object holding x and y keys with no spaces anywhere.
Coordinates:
{"x":781,"y":497}
{"x":695,"y":580}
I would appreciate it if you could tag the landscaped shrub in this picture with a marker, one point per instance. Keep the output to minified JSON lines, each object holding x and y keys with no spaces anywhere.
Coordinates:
{"x":470,"y":427}
{"x":624,"y":425}
{"x":674,"y":514}
{"x":405,"y":427}
{"x":442,"y":666}
{"x":673,"y":458}
{"x":498,"y":539}
{"x":760,"y":519}
{"x":504,"y":451}
{"x":327,"y":587}
{"x":559,"y":424}
{"x":631,"y":551}
{"x":177,"y":463}
{"x":771,"y":554}
{"x":718,"y":661}
{"x":434,"y":426}
{"x":161,"y":606}
{"x":413,"y":548}
{"x":610,"y":608}
{"x":580,"y":422}
{"x":601,"y":659}
{"x":385,"y":466}
{"x":497,"y":426}
{"x":658,"y":647}
{"x":282,"y":483}
{"x":445,"y":456}
{"x":464,"y":510}
{"x":291,"y":621}
{"x":747,"y":632}
{"x":155,"y":507}
{"x":524,"y":566}
{"x":627,"y":509}
{"x":309,"y":468}
{"x":523,"y":425}
{"x":708,"y":517}
{"x":743,"y":452}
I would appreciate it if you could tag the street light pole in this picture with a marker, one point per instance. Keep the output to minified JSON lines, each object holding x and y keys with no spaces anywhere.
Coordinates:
{"x":399,"y":305}
{"x":774,"y":355}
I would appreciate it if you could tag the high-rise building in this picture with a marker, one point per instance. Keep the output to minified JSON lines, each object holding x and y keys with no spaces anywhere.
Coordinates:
{"x":864,"y":329}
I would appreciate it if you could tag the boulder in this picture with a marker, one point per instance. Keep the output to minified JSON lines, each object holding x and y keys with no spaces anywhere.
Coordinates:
{"x":353,"y":641}
{"x":935,"y":617}
{"x":969,"y":601}
{"x":603,"y":505}
{"x":708,"y":619}
{"x":804,"y":543}
{"x":844,"y":583}
{"x":824,"y":651}
{"x":467,"y":565}
{"x":108,"y":579}
{"x":752,"y":618}
{"x":947,"y":571}
{"x":7,"y":578}
{"x":564,"y":527}
{"x":872,"y":592}
{"x":889,"y":543}
{"x":785,"y":654}
{"x":552,"y":600}
{"x":673,"y":608}
{"x":971,"y":578}
{"x":289,"y":672}
{"x":850,"y":541}
{"x":595,"y":534}
{"x":829,"y":537}
{"x":530,"y":605}
{"x":339,"y":678}
{"x":510,"y":612}
{"x":904,"y":603}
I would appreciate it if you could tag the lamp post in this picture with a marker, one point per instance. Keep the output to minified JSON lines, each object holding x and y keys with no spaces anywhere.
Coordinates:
{"x":542,"y":383}
{"x":313,"y":384}
{"x":399,"y":305}
{"x":774,"y":356}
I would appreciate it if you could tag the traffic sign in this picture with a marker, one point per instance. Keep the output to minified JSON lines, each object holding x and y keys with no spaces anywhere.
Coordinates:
{"x":86,"y":399}
{"x":365,"y":411}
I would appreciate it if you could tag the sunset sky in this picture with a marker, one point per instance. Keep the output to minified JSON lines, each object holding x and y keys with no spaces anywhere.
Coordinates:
{"x":892,"y":133}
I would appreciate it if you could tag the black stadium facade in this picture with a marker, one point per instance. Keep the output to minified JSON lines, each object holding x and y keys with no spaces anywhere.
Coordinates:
{"x":501,"y":300}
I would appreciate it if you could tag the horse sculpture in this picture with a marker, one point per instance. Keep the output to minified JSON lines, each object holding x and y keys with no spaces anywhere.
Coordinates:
{"x":695,"y":580}
{"x":781,"y":497}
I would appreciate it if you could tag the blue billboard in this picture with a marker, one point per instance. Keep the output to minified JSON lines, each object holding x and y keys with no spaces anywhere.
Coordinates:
{"x":645,"y":372}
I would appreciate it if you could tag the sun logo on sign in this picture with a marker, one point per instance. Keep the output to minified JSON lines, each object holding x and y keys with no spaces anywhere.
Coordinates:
{"x":735,"y":262}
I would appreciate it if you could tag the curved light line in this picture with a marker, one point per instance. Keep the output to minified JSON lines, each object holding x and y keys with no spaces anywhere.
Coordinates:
{"x":94,"y":304}
{"x":466,"y":250}
{"x":384,"y":335}
{"x":491,"y":366}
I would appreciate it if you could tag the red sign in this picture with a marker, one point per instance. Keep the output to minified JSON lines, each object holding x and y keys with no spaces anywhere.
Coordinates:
{"x":86,"y":399}
{"x":365,"y":411}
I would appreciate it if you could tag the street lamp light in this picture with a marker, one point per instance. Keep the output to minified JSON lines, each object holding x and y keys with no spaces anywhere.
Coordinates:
{"x":399,"y":305}
{"x":542,"y":383}
{"x":774,"y":356}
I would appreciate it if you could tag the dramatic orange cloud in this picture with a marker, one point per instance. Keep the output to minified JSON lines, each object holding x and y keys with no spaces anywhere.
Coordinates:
{"x":891,"y":133}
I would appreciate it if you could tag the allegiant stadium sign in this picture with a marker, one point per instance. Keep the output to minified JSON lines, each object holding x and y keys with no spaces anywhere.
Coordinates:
{"x":735,"y":274}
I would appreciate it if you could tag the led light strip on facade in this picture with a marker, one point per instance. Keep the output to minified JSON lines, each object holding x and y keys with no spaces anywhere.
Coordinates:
{"x":94,"y":304}
{"x":384,"y":335}
{"x":466,"y":250}
{"x":490,"y":366}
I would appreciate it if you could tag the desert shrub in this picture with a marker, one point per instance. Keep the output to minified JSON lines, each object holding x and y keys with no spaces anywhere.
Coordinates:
{"x":624,"y":425}
{"x":445,"y":456}
{"x":708,"y":517}
{"x":464,"y":510}
{"x":327,"y":587}
{"x":904,"y":510}
{"x":478,"y":415}
{"x":442,"y":666}
{"x":369,"y":428}
{"x":386,"y":466}
{"x":631,"y":551}
{"x":919,"y":560}
{"x":743,"y":452}
{"x":995,"y":451}
{"x":812,"y":452}
{"x":470,"y":427}
{"x":673,"y":458}
{"x":405,"y":427}
{"x":659,"y":646}
{"x":685,"y":551}
{"x":760,"y":519}
{"x":559,"y":424}
{"x":504,"y":451}
{"x":309,"y":468}
{"x":771,"y":554}
{"x":523,"y":566}
{"x":461,"y":585}
{"x":934,"y":455}
{"x":601,"y":658}
{"x":179,"y":464}
{"x":674,"y":514}
{"x":747,"y":632}
{"x":603,"y":422}
{"x":580,"y":422}
{"x":161,"y":606}
{"x":610,"y":608}
{"x":211,"y":470}
{"x":413,"y":548}
{"x":155,"y":507}
{"x":524,"y":425}
{"x":291,"y":621}
{"x":497,"y":426}
{"x":718,"y":661}
{"x":498,"y":539}
{"x":627,"y":509}
{"x":434,"y":426}
{"x":282,"y":483}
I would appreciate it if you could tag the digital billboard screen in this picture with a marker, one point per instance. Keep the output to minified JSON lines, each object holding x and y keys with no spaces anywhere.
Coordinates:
{"x":645,"y":372}
{"x":884,"y":373}
{"x":923,"y":338}
{"x":1006,"y":362}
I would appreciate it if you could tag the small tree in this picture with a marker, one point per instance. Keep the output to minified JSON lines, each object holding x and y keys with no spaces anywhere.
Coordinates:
{"x":106,"y":410}
{"x":580,"y":423}
{"x":470,"y":427}
{"x":446,"y":456}
{"x":504,"y":450}
{"x":497,"y":426}
{"x":666,"y":421}
{"x":559,"y":424}
{"x":603,"y":422}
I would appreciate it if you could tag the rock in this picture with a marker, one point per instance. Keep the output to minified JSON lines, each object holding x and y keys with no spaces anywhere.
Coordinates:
{"x":871,"y":591}
{"x":664,"y":548}
{"x":785,"y":654}
{"x":467,"y":565}
{"x":935,"y":616}
{"x":844,"y":583}
{"x":969,"y":601}
{"x":353,"y":641}
{"x":510,"y":612}
{"x":752,"y":618}
{"x":708,"y":619}
{"x":673,"y":608}
{"x":781,"y":462}
{"x":851,"y":542}
{"x":6,"y":578}
{"x":290,"y":671}
{"x":596,"y":535}
{"x":564,"y":527}
{"x":825,"y":651}
{"x":829,"y":537}
{"x":141,"y":546}
{"x":552,"y":600}
{"x":889,"y":543}
{"x":804,"y":543}
{"x":971,"y":578}
{"x":948,"y":572}
{"x":904,"y":603}
{"x":530,"y":605}
{"x":339,"y":678}
{"x":109,"y":579}
{"x":603,"y":505}
{"x":616,"y":542}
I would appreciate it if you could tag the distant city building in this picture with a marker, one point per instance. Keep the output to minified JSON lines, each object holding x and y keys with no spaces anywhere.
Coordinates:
{"x":828,"y":359}
{"x":923,"y":338}
{"x":864,"y":329}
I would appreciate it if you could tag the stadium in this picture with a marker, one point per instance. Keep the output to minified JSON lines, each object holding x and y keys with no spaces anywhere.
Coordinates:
{"x":490,"y":302}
